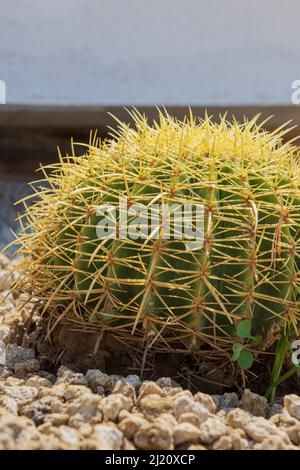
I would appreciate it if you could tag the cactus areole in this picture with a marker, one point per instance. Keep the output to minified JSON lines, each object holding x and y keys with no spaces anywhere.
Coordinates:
{"x":152,"y":283}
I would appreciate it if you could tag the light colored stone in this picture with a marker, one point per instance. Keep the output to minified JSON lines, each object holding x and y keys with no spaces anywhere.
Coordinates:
{"x":67,"y":376}
{"x":131,"y":424}
{"x":38,"y":382}
{"x":259,"y":429}
{"x":15,"y":424}
{"x":46,"y":428}
{"x":207,"y":401}
{"x":88,"y":406}
{"x":172,"y":391}
{"x":22,"y":395}
{"x":4,"y":373}
{"x":222,"y":413}
{"x":192,"y":418}
{"x":125,"y":414}
{"x":211,"y":430}
{"x":194,"y":447}
{"x":223,"y":443}
{"x":283,"y":420}
{"x":7,"y":441}
{"x":186,"y":433}
{"x":5,"y":333}
{"x":238,"y":438}
{"x":4,"y":261}
{"x":12,"y":381}
{"x":166,"y":419}
{"x":77,"y":421}
{"x":6,"y":280}
{"x":126,"y":389}
{"x":68,"y":436}
{"x":183,"y":403}
{"x":29,"y":438}
{"x":127,"y":445}
{"x":85,"y":429}
{"x":271,"y":443}
{"x":292,"y":404}
{"x":57,"y":419}
{"x":164,"y":382}
{"x":153,"y":405}
{"x":107,"y":437}
{"x":182,"y":394}
{"x":8,"y":404}
{"x":8,"y":309}
{"x":238,"y":418}
{"x":294,"y":433}
{"x":72,"y":392}
{"x":37,"y":410}
{"x":113,"y":404}
{"x":58,"y":438}
{"x":57,"y":406}
{"x":153,"y":436}
{"x":57,"y":390}
{"x":149,"y":388}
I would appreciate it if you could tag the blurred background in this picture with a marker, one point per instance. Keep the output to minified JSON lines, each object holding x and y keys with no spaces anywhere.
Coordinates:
{"x":66,"y":64}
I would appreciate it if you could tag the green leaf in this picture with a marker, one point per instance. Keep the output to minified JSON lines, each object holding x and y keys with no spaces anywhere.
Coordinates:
{"x":257,"y":338}
{"x":237,"y":348}
{"x":244,"y":329}
{"x":245,"y":359}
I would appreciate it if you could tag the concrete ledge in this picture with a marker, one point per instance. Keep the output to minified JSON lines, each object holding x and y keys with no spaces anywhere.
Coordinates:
{"x":77,"y":117}
{"x":30,"y":135}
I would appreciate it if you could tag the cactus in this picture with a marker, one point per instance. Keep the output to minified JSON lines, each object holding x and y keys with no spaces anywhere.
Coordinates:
{"x":247,"y":181}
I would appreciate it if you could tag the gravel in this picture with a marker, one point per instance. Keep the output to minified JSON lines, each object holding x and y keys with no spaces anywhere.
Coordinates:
{"x":93,"y":410}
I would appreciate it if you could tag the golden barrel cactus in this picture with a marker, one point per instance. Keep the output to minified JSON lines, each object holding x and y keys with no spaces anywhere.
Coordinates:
{"x":158,"y":288}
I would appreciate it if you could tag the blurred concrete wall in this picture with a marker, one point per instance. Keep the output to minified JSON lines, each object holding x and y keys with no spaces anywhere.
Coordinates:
{"x":102,"y":52}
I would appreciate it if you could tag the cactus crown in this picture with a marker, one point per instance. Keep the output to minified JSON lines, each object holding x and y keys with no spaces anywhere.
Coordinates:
{"x":248,"y":268}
